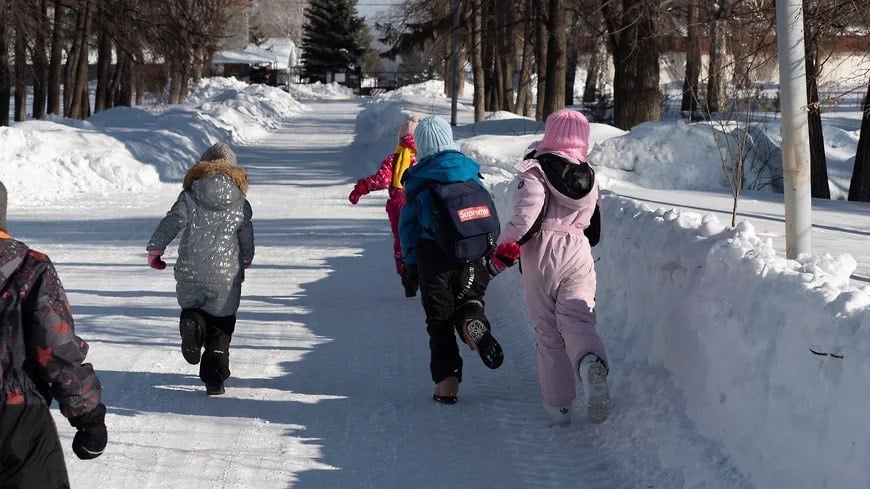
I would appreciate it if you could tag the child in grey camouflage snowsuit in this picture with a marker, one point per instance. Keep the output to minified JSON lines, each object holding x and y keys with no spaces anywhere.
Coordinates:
{"x":216,"y":248}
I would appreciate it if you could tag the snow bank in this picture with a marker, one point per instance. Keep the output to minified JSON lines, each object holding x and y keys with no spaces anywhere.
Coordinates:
{"x":679,"y":155}
{"x":431,"y":89}
{"x":218,"y":109}
{"x":320,"y":91}
{"x":44,"y":160}
{"x":132,"y":149}
{"x":735,"y":326}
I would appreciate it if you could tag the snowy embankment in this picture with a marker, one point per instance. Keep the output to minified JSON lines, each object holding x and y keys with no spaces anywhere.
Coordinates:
{"x":700,"y":318}
{"x":688,"y":156}
{"x":320,"y":91}
{"x":133,"y":149}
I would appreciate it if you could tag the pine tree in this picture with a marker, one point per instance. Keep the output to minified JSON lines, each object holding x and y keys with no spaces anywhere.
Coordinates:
{"x":331,"y":39}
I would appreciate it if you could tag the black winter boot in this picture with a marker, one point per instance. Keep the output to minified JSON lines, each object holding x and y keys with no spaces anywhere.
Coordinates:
{"x":215,"y":389}
{"x":192,"y":328}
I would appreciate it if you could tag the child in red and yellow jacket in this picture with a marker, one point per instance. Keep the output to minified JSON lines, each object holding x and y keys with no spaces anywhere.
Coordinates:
{"x":389,"y":176}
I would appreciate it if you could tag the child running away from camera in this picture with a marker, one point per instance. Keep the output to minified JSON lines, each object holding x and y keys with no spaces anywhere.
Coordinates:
{"x":41,"y":358}
{"x":216,"y":248}
{"x":557,"y":221}
{"x":389,"y":175}
{"x":448,"y":231}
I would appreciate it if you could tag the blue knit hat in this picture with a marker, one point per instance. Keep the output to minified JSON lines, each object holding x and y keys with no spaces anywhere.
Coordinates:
{"x":433,"y":135}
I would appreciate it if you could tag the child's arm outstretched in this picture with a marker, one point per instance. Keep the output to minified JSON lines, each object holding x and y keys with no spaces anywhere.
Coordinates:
{"x":379,"y":181}
{"x":167,"y":230}
{"x":246,"y":237}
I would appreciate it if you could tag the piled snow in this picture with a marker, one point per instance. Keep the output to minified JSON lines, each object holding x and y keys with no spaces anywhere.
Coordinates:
{"x":120,"y":149}
{"x":320,"y":91}
{"x":218,"y":109}
{"x":733,"y":324}
{"x":678,"y":155}
{"x":43,"y":160}
{"x":432,"y":89}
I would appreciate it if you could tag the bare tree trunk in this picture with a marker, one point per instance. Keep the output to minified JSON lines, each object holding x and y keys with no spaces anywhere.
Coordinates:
{"x":554,"y":98}
{"x":573,"y":61}
{"x":40,"y":61}
{"x":497,"y":73}
{"x":477,"y":61}
{"x":716,"y":71}
{"x":69,"y":78}
{"x":55,"y":68}
{"x":636,"y":96}
{"x":80,"y":103}
{"x":818,"y":164}
{"x":104,"y":95}
{"x":524,"y":94}
{"x":509,"y":59}
{"x":185,"y":81}
{"x":597,"y":64}
{"x":124,"y":84}
{"x":21,"y":74}
{"x":693,"y":59}
{"x":5,"y":72}
{"x":541,"y":61}
{"x":859,"y":188}
{"x":174,"y":83}
{"x":137,"y":72}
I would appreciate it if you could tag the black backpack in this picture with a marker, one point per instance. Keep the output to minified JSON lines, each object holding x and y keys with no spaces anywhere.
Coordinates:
{"x":468,"y":225}
{"x":573,"y":181}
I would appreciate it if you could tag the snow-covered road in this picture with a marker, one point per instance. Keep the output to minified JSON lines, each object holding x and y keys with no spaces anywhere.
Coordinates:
{"x":330,"y":384}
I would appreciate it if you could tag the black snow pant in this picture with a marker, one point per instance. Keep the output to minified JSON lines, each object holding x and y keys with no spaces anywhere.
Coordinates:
{"x":30,"y":453}
{"x":214,"y":367}
{"x":451,"y":293}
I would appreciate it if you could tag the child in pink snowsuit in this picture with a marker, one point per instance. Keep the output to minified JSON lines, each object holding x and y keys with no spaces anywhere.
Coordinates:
{"x":389,"y":175}
{"x":557,"y":221}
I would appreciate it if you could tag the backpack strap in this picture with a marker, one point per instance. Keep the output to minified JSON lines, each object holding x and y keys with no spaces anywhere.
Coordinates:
{"x":536,"y":226}
{"x":417,"y":191}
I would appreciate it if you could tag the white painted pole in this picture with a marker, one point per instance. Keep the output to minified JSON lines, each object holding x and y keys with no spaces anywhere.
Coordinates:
{"x":795,"y":135}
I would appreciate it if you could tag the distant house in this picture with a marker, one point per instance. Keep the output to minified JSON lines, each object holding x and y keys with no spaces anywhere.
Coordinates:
{"x":270,"y":63}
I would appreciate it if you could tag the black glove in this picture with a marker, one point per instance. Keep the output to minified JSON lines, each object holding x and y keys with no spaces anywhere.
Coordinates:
{"x":91,"y":436}
{"x":410,"y":279}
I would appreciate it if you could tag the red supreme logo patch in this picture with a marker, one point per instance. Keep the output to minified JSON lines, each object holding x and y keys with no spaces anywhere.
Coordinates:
{"x":472,"y":213}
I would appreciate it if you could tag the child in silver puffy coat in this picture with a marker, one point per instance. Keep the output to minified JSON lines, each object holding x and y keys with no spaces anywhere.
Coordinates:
{"x":216,"y":247}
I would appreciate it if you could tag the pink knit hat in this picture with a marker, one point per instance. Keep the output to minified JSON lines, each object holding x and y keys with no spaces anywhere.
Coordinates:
{"x":567,"y":132}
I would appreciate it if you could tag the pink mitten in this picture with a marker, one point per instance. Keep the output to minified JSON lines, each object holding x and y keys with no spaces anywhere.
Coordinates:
{"x":246,"y":265}
{"x":155,"y":261}
{"x":505,"y":256}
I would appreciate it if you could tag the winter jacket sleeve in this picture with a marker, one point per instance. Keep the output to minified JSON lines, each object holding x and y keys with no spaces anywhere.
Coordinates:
{"x":383,"y":177}
{"x":246,"y":235}
{"x":410,"y":230}
{"x":51,"y":341}
{"x":170,"y":226}
{"x":529,"y":198}
{"x":593,"y":232}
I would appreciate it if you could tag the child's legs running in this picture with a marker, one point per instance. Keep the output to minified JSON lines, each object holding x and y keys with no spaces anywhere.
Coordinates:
{"x":394,"y":209}
{"x":215,"y":365}
{"x":575,"y":317}
{"x":554,"y":366}
{"x":439,"y":305}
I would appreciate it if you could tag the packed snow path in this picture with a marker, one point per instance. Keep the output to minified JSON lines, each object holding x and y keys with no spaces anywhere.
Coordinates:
{"x":330,"y":385}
